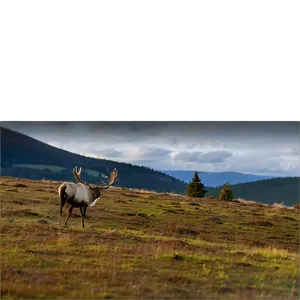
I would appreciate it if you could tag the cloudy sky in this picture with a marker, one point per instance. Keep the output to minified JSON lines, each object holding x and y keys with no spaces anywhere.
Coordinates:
{"x":264,"y":148}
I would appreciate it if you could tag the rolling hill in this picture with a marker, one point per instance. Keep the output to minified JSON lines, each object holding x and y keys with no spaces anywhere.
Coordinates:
{"x":23,"y":156}
{"x":216,"y":178}
{"x":286,"y":190}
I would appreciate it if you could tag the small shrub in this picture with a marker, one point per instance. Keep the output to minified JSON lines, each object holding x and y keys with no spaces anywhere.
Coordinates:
{"x":21,"y":185}
{"x":226,"y":194}
{"x":297,"y":206}
{"x":177,"y":256}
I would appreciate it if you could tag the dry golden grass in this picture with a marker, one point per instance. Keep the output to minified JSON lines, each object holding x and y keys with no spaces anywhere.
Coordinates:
{"x":142,"y":245}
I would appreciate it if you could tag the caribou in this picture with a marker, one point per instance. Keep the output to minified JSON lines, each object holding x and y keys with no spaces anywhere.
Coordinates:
{"x":81,"y":194}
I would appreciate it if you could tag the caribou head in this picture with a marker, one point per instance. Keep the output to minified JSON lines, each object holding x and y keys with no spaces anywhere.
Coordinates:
{"x":82,"y":194}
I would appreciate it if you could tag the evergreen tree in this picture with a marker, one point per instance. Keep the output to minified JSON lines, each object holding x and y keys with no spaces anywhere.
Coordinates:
{"x":226,"y":194}
{"x":196,"y":188}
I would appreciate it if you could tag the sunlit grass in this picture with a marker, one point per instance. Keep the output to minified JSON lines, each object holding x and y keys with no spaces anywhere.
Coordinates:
{"x":139,"y":245}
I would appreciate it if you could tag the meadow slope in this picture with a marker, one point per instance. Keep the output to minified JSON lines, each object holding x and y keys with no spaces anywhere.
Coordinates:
{"x":142,"y":245}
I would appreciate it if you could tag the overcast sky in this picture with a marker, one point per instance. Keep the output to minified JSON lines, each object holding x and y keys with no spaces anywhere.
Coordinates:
{"x":263,"y":148}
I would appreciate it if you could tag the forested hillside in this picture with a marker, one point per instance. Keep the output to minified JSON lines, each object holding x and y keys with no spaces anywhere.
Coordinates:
{"x":286,"y":190}
{"x":18,"y":149}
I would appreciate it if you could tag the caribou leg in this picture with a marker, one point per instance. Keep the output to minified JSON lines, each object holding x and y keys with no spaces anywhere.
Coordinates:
{"x":82,"y":216}
{"x":84,"y":210}
{"x":69,"y":214}
{"x":60,"y":214}
{"x":63,"y":197}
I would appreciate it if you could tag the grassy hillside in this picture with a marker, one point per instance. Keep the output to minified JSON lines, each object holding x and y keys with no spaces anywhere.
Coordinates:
{"x":19,"y":153}
{"x":138,"y":244}
{"x":286,"y":190}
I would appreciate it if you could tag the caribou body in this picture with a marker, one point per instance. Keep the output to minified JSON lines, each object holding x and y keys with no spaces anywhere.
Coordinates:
{"x":81,"y":194}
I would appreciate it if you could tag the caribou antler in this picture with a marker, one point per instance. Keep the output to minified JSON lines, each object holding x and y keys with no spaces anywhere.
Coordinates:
{"x":77,"y":175}
{"x":112,"y":179}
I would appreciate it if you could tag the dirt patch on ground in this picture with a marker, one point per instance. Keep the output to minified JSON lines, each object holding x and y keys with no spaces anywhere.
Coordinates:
{"x":262,"y":223}
{"x":187,"y":231}
{"x":177,"y":279}
{"x":289,"y":218}
{"x":244,"y":265}
{"x":46,"y":252}
{"x":20,"y":185}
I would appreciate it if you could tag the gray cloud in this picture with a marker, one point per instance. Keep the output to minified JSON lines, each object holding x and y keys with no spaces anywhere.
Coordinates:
{"x":209,"y":136}
{"x":290,"y":151}
{"x":261,"y":163}
{"x":209,"y":157}
{"x":191,"y":145}
{"x":188,"y":156}
{"x":110,"y":153}
{"x":132,"y":129}
{"x":173,"y":141}
{"x":146,"y":154}
{"x":215,"y":156}
{"x":154,"y":128}
{"x":269,"y":147}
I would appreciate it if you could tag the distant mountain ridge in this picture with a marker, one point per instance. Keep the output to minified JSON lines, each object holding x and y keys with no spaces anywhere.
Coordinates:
{"x":215,"y":179}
